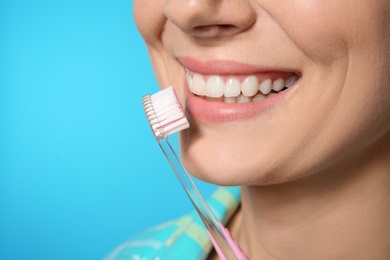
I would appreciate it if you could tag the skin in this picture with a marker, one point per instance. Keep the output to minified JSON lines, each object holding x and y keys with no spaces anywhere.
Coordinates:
{"x":314,"y":169}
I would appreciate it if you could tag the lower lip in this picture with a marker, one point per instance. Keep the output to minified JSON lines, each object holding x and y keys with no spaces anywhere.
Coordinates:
{"x":219,"y":112}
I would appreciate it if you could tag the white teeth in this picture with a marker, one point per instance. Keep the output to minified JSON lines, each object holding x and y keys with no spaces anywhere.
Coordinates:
{"x":291,"y":81}
{"x":189,"y":80}
{"x":214,"y":99}
{"x":266,"y":86}
{"x":230,"y":99}
{"x":214,"y":87}
{"x":235,"y":92}
{"x":232,"y":88}
{"x":198,"y":85}
{"x":278,"y":85}
{"x":258,"y":97}
{"x":250,"y":86}
{"x":243,"y":99}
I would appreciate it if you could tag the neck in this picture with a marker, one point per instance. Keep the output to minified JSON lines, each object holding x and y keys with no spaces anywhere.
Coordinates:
{"x":341,"y":213}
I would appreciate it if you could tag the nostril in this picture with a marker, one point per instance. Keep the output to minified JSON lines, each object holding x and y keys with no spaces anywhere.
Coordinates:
{"x":217,"y":30}
{"x":211,"y":18}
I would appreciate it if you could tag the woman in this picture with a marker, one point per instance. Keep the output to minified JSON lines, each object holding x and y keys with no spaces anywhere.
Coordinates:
{"x":312,"y":156}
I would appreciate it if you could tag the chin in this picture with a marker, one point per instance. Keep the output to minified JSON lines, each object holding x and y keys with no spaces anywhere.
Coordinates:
{"x":227,"y":171}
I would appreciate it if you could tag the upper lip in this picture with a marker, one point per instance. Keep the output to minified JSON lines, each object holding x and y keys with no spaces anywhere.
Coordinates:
{"x":227,"y":67}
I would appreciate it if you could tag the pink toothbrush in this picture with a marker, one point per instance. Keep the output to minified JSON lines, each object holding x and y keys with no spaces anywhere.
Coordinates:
{"x":166,"y":116}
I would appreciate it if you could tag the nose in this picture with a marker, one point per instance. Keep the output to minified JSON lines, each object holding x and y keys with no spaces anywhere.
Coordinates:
{"x":211,"y":18}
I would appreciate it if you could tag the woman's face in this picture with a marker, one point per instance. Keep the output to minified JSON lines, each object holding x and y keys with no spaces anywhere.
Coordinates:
{"x":333,"y":56}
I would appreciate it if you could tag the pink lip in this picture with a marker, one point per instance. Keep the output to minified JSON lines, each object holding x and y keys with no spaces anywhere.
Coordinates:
{"x":225,"y":67}
{"x":219,"y":112}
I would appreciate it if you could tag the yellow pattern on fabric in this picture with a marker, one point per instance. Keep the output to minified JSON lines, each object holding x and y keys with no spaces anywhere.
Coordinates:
{"x":198,"y":234}
{"x":228,"y":201}
{"x":182,"y":224}
{"x":225,"y":198}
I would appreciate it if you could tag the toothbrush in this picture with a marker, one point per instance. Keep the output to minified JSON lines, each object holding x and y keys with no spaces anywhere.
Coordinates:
{"x":166,"y":116}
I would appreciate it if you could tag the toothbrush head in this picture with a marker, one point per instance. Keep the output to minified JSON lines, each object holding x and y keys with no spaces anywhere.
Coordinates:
{"x":165,"y":113}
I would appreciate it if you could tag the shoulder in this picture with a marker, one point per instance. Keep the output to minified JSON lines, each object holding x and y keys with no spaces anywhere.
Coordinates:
{"x":183,"y":238}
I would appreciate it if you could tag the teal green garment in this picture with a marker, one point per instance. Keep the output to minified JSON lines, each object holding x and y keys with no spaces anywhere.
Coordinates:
{"x":183,"y":239}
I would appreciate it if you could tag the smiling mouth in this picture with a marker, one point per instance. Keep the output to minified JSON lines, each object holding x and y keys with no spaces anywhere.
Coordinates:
{"x":221,"y":91}
{"x":239,"y":89}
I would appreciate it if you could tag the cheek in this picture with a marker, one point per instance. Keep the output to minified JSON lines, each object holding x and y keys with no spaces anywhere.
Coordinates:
{"x":318,"y":28}
{"x":327,"y":30}
{"x":149,"y":18}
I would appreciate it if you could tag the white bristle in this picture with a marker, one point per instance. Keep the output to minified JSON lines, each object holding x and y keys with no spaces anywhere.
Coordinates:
{"x":164,"y":113}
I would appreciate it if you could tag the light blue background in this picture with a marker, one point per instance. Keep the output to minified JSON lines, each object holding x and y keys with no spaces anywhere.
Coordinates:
{"x":80,"y":171}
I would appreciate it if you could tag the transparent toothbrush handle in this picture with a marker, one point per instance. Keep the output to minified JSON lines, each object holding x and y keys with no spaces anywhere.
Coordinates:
{"x":223,"y":242}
